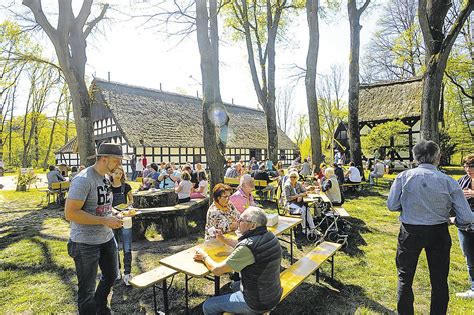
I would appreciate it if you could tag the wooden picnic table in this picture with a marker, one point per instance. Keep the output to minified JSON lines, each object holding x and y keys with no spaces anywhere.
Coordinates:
{"x":312,"y":197}
{"x":184,"y":261}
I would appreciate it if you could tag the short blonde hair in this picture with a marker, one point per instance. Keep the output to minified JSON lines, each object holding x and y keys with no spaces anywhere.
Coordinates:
{"x":328,"y":172}
{"x":294,"y":173}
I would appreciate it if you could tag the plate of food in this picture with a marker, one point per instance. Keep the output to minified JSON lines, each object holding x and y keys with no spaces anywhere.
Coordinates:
{"x":130,"y":213}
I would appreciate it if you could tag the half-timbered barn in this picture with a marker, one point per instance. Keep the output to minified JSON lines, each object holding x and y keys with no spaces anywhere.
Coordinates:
{"x":167,"y":126}
{"x":383,"y":102}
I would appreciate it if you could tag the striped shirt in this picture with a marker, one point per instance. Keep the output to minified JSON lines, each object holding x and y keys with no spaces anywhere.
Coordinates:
{"x":465,"y":182}
{"x":424,"y":196}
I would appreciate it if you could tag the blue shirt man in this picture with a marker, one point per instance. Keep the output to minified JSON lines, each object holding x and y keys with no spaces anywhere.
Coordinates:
{"x":424,"y":197}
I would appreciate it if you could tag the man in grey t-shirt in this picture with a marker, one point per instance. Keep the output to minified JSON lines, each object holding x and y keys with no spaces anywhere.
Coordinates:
{"x":92,"y":243}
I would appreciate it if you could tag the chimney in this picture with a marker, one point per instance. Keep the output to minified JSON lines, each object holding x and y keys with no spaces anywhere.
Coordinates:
{"x":232,"y":101}
{"x":108,"y":75}
{"x":160,"y":87}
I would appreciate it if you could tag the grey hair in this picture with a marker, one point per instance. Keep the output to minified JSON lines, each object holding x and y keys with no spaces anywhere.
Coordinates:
{"x":256,"y":215}
{"x":245,"y":179}
{"x":426,"y":152}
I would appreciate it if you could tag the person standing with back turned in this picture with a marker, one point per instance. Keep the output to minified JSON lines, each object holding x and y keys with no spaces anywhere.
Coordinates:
{"x":92,"y":243}
{"x":424,"y":196}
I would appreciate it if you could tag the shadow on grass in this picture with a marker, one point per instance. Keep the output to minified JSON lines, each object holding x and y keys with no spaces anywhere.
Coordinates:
{"x":28,"y":227}
{"x":329,"y":297}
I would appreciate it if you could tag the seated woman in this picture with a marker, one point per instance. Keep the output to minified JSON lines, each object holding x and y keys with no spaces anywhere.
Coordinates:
{"x":294,"y":193}
{"x":183,"y":189}
{"x":201,"y":191}
{"x":320,"y":175}
{"x":221,"y":215}
{"x":331,"y":187}
{"x":353,"y":175}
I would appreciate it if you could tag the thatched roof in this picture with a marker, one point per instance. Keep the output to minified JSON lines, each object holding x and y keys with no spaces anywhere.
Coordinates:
{"x":163,"y":119}
{"x":69,"y":147}
{"x":390,"y":100}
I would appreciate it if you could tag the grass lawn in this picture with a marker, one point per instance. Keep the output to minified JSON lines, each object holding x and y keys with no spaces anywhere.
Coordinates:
{"x":37,"y":275}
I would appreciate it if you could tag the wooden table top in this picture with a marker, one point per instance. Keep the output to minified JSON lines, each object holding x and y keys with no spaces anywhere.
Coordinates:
{"x":183,"y":261}
{"x":311,"y":197}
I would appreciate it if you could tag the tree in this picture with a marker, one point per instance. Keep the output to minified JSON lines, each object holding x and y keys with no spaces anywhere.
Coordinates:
{"x":312,"y":15}
{"x":396,"y":50}
{"x":379,"y":136}
{"x":353,"y":123}
{"x":214,"y":115}
{"x":69,"y":41}
{"x":301,"y":129}
{"x":284,"y":108}
{"x":258,"y":22}
{"x":438,"y":42}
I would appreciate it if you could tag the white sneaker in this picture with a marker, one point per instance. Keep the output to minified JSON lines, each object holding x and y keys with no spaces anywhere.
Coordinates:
{"x":119,"y":276}
{"x":469,"y":294}
{"x":127,"y":278}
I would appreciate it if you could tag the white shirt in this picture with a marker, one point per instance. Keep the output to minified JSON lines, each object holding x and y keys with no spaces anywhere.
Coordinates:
{"x":185,"y":191}
{"x":139,"y":166}
{"x":203,"y":183}
{"x":354,"y":175}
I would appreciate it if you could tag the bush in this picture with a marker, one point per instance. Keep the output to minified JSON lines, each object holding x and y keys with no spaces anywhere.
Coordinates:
{"x":25,"y":180}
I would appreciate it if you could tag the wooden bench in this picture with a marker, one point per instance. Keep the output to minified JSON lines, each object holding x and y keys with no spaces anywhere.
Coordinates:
{"x":356,"y":186}
{"x":151,"y":279}
{"x":292,"y":277}
{"x":173,"y":218}
{"x":342,"y":212}
{"x":56,"y":190}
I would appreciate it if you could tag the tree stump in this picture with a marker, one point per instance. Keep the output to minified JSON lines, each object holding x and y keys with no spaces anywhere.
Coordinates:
{"x":174,"y":225}
{"x":161,"y":198}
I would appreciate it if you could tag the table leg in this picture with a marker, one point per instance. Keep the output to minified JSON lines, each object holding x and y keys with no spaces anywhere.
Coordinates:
{"x":291,"y":245}
{"x":154,"y":299}
{"x":217,"y":285}
{"x":332,"y":267}
{"x":165,"y":297}
{"x":186,"y":293}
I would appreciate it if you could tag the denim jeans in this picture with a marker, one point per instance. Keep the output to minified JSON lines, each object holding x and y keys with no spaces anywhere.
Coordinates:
{"x":231,"y":303}
{"x":466,"y":240}
{"x":87,"y":258}
{"x":436,"y":241}
{"x":124,"y":236}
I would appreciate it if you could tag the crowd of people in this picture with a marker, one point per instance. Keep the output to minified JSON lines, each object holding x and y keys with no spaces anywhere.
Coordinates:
{"x":423,"y":196}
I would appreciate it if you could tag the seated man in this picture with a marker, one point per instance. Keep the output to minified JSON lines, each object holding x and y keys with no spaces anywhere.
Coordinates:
{"x":379,"y":170}
{"x":235,"y":171}
{"x":339,"y":172}
{"x":263,"y":175}
{"x":353,"y":174}
{"x":257,"y":257}
{"x":242,"y":198}
{"x":54,"y":176}
{"x":168,"y":177}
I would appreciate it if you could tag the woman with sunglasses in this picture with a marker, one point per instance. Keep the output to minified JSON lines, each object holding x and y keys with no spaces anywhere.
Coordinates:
{"x":222,"y":215}
{"x":294,"y":194}
{"x":122,"y":194}
{"x":466,"y":237}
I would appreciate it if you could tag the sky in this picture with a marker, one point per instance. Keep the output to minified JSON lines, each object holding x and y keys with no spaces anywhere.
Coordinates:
{"x":139,"y":55}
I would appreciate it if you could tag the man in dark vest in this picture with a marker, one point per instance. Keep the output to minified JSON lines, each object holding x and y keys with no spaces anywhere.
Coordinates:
{"x":257,"y":257}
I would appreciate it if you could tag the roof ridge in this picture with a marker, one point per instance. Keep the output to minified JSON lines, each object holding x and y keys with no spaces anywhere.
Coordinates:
{"x":96,"y":79}
{"x":391,"y":82}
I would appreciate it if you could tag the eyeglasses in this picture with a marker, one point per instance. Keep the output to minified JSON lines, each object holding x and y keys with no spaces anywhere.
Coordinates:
{"x":469,"y":167}
{"x":293,"y":177}
{"x":225,"y":196}
{"x":243,"y":220}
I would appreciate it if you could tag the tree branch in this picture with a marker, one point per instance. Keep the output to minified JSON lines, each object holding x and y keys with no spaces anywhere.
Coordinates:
{"x":40,"y":17}
{"x":457,"y":26}
{"x":460,"y":87}
{"x":94,"y":22}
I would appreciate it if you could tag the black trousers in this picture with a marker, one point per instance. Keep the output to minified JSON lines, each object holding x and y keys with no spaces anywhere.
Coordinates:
{"x":436,"y":241}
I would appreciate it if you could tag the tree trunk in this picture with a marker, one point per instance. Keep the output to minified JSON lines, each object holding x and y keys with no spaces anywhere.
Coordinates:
{"x":53,"y":127}
{"x":68,"y":120}
{"x":69,"y":40}
{"x":212,"y":106}
{"x":312,"y":7}
{"x":438,"y":44}
{"x":353,"y":124}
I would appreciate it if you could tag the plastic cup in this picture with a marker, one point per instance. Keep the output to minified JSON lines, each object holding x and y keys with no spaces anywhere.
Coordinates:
{"x":127,"y":222}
